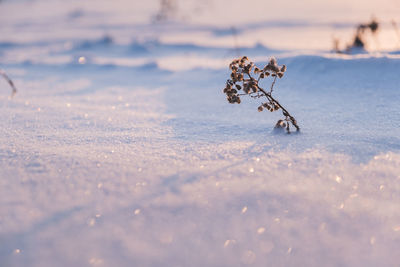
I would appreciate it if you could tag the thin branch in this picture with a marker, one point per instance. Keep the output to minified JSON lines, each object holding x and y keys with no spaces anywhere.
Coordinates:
{"x":10,"y":82}
{"x":273,"y":100}
{"x":272,"y":85}
{"x":235,"y":41}
{"x":284,"y":111}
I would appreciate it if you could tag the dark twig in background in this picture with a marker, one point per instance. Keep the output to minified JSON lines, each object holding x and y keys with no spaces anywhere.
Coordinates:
{"x":242,"y":80}
{"x":10,"y":82}
{"x":358,"y":41}
{"x":168,"y":9}
{"x":235,"y":41}
{"x":359,"y":37}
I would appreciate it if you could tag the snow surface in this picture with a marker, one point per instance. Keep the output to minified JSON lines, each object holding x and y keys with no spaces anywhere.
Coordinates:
{"x":120,"y":148}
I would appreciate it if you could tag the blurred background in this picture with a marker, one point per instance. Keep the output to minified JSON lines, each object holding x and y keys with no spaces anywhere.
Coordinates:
{"x":292,"y":24}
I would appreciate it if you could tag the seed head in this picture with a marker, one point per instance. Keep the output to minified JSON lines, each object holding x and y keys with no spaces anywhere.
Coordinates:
{"x":241,"y":78}
{"x":275,"y":68}
{"x":272,"y":61}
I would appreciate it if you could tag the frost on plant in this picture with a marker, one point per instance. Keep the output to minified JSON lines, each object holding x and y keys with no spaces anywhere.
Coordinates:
{"x":10,"y":82}
{"x":245,"y":79}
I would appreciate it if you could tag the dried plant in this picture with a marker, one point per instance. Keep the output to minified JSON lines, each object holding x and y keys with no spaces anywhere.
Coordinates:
{"x":358,"y":41}
{"x":359,"y":36}
{"x":243,"y":83}
{"x":10,"y":82}
{"x":168,"y":9}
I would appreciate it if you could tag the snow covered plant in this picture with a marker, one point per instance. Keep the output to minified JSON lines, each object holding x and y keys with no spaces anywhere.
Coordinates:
{"x":245,"y":80}
{"x":10,"y":82}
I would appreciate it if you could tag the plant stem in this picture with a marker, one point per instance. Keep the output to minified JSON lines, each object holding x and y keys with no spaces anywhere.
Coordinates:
{"x":10,"y":82}
{"x":272,"y":85}
{"x":269,"y":97}
{"x":284,"y":111}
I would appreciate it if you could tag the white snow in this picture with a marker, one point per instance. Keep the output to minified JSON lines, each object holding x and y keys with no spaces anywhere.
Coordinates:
{"x":120,"y":149}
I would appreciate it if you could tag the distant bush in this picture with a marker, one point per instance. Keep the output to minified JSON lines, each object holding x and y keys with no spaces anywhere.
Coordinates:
{"x":243,"y":83}
{"x":168,"y":9}
{"x":10,"y":82}
{"x":359,"y":37}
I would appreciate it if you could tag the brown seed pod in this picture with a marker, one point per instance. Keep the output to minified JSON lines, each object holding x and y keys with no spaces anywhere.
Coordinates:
{"x":280,"y":74}
{"x":238,"y":87}
{"x":262,"y":75}
{"x":260,"y":108}
{"x":283,"y":69}
{"x":275,"y":68}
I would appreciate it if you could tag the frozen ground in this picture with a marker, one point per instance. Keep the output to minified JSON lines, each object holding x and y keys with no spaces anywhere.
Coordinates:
{"x":120,"y":148}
